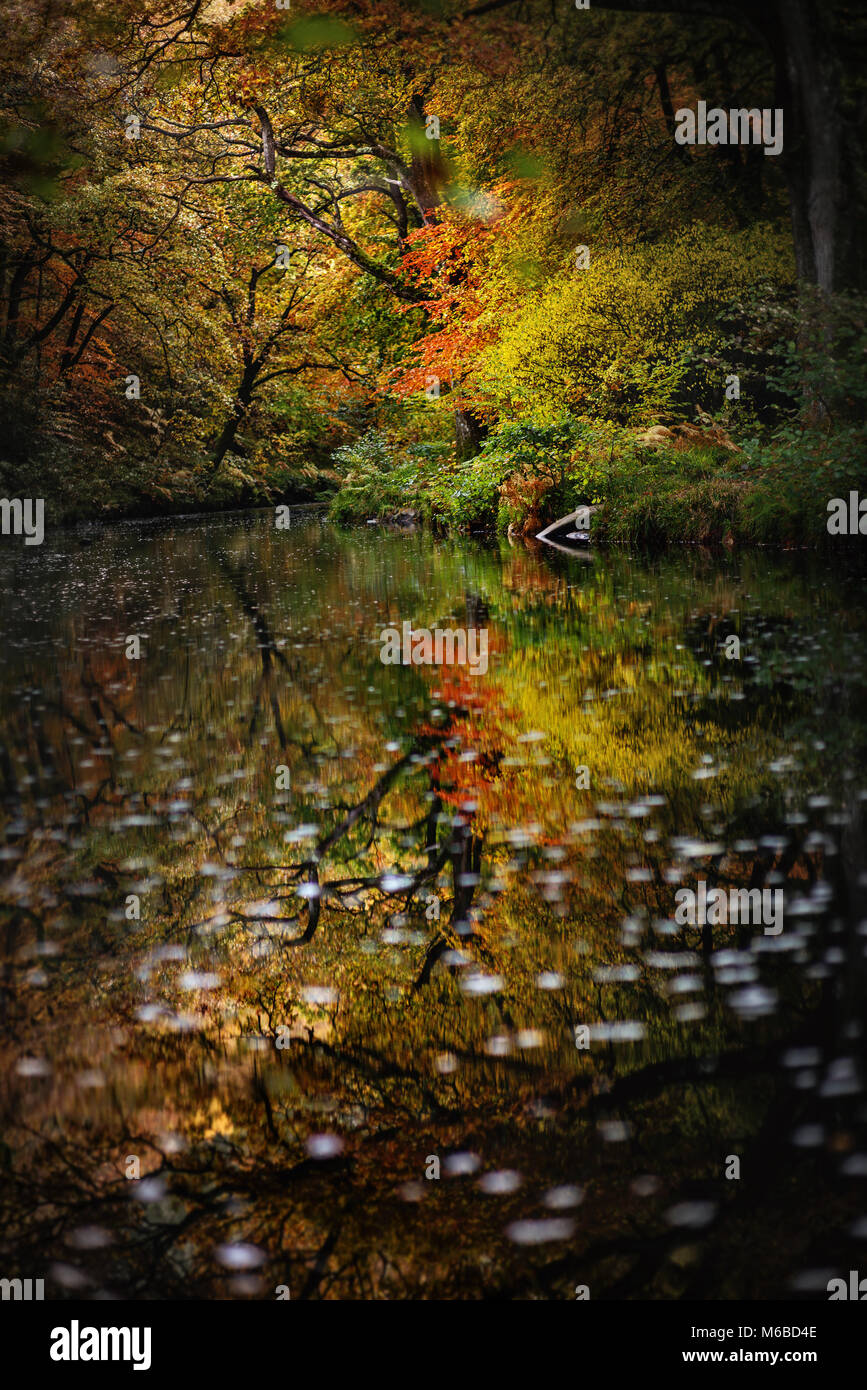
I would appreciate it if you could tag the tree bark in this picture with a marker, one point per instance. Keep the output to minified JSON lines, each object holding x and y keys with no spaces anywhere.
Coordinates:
{"x":469,"y":433}
{"x":809,"y":88}
{"x":225,"y":442}
{"x":427,"y":173}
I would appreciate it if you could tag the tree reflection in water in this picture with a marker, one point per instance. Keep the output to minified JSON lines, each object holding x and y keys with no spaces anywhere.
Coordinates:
{"x":382,"y":956}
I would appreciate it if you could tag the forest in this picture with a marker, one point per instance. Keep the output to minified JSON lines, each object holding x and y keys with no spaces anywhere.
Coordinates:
{"x":476,"y":264}
{"x":405,"y":897}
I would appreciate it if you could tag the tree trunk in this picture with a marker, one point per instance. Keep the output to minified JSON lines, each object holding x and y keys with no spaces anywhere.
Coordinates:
{"x":809,"y":82}
{"x":16,"y":290}
{"x":426,"y":169}
{"x":469,"y":433}
{"x":226,"y":441}
{"x":66,"y":359}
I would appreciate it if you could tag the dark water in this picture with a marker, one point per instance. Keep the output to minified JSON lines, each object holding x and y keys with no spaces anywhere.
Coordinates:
{"x":286,"y":930}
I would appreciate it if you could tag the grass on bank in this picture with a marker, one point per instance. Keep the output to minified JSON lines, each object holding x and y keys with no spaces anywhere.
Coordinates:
{"x":773,"y":492}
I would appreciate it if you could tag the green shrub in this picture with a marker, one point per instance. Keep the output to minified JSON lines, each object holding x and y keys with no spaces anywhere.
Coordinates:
{"x":378,"y":477}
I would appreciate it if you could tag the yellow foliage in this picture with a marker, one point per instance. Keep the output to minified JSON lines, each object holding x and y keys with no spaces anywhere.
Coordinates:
{"x":613,"y":338}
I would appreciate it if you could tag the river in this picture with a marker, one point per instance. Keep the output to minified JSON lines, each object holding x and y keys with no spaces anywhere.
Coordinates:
{"x":331,"y":977}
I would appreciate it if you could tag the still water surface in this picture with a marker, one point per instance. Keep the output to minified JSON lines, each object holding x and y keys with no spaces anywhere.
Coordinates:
{"x":286,"y":932}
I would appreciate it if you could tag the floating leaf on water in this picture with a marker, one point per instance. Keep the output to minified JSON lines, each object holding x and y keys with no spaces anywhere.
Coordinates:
{"x":446,"y":1063}
{"x":33,"y":1066}
{"x":616,"y":974}
{"x":775,"y":843}
{"x":239,"y":1256}
{"x":842,"y":1079}
{"x":301,"y":832}
{"x":169,"y":952}
{"x":149,"y":1189}
{"x":220,"y":871}
{"x":663,"y":926}
{"x":645,"y":1186}
{"x":754,"y":1002}
{"x":199,"y":979}
{"x":395,"y":883}
{"x":322,"y":1146}
{"x":684,"y":984}
{"x":503,"y":1181}
{"x":319,"y":994}
{"x":478,"y":983}
{"x":89,"y":1238}
{"x":152,"y":1013}
{"x":541,"y":1231}
{"x":670,"y":960}
{"x":262,"y":907}
{"x":809,"y":1136}
{"x":308,"y":891}
{"x":563,"y":1198}
{"x":688,"y":848}
{"x":585,"y":827}
{"x":691,"y":1214}
{"x":690,"y":1013}
{"x":625,"y":1032}
{"x":90,"y":1080}
{"x":614,"y":1131}
{"x":68,"y":1277}
{"x":460,"y":1165}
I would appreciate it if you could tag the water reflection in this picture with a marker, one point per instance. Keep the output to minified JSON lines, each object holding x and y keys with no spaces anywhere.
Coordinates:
{"x":333,"y":976}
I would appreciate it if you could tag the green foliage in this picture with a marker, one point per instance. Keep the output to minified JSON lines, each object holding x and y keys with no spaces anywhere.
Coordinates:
{"x":792,"y":479}
{"x":379,"y":478}
{"x":822,"y":363}
{"x":464,"y":495}
{"x":683,"y":497}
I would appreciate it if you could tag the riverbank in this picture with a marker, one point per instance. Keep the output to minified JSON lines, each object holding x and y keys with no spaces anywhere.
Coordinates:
{"x":662,"y":487}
